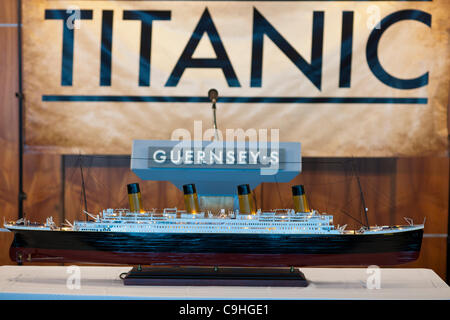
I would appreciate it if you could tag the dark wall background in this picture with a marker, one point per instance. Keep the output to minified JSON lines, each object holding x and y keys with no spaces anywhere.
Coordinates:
{"x":394,"y":188}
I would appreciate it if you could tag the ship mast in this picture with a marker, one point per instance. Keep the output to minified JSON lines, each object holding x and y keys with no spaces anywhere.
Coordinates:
{"x":361,"y":194}
{"x":83,"y":189}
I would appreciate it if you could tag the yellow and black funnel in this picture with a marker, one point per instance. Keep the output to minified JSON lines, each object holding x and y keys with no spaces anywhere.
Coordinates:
{"x":191,"y":198}
{"x":246,"y":203}
{"x":134,"y":197}
{"x":300,"y":202}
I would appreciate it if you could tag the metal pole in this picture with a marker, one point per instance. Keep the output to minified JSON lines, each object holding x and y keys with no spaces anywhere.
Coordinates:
{"x":216,"y":136}
{"x":448,"y":200}
{"x":448,"y":228}
{"x":22,"y":195}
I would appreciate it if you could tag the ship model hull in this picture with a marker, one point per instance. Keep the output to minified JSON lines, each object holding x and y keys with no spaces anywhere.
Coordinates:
{"x":224,"y":249}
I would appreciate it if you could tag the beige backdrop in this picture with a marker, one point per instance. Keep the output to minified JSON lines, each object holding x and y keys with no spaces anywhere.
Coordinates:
{"x":407,"y":50}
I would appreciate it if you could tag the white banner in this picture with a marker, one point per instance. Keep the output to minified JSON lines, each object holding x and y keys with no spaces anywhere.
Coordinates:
{"x":343,"y":78}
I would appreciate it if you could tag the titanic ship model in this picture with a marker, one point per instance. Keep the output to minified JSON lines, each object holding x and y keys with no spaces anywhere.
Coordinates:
{"x":235,"y":238}
{"x":238,"y":237}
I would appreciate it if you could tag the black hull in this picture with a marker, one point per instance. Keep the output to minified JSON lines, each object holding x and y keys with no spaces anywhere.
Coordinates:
{"x":217,"y":249}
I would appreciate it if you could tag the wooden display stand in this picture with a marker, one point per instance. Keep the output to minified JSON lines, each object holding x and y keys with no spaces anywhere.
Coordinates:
{"x":214,"y":276}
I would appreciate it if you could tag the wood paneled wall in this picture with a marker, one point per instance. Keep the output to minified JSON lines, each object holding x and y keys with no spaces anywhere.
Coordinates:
{"x":394,"y":188}
{"x":8,"y":120}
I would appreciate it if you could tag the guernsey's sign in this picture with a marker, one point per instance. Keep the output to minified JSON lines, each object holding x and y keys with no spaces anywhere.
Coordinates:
{"x":352,"y":78}
{"x":197,"y":161}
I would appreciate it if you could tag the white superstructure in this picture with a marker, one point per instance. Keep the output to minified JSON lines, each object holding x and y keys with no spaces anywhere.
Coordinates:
{"x":172,"y":220}
{"x":284,"y":221}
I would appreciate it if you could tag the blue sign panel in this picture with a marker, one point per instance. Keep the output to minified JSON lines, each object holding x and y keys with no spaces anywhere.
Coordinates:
{"x":215,"y":167}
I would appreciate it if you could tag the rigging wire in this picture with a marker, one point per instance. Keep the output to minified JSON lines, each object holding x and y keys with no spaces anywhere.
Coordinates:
{"x":349,"y":215}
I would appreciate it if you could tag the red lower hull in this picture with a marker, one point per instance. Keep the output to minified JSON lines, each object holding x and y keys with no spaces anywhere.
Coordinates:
{"x":210,"y":259}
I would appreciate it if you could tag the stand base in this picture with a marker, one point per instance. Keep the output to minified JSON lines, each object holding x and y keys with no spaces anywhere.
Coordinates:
{"x":214,"y":276}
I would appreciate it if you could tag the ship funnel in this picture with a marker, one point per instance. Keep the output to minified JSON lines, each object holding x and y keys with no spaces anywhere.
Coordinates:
{"x":246,"y":204}
{"x":134,"y":197}
{"x":299,"y":196}
{"x":191,"y":198}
